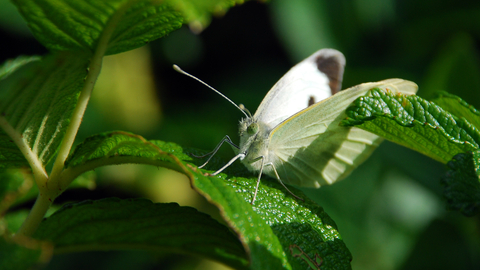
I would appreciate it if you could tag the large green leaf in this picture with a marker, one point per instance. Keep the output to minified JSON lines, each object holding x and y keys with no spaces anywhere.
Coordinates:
{"x":462,"y":185}
{"x":267,"y":229}
{"x":36,"y":103}
{"x":80,"y":24}
{"x":140,"y":224}
{"x":415,"y":123}
{"x":120,"y":25}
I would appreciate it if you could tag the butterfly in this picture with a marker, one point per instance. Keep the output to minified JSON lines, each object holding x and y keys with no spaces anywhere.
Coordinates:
{"x":295,"y":136}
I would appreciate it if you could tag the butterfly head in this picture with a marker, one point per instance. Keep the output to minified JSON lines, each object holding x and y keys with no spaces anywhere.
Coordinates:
{"x":248,"y":127}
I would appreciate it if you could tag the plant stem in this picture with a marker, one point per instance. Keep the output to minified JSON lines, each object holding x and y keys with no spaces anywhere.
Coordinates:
{"x":31,"y":223}
{"x":55,"y":183}
{"x":52,"y":188}
{"x":71,"y":132}
{"x":94,"y":71}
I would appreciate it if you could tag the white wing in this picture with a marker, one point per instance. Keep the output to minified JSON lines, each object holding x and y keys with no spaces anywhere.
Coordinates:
{"x":311,"y":149}
{"x":310,"y":81}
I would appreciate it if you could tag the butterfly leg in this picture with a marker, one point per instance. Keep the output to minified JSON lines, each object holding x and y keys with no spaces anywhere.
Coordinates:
{"x":276,"y":174}
{"x":259,"y":177}
{"x":280,"y":180}
{"x":211,"y":154}
{"x":239,"y":156}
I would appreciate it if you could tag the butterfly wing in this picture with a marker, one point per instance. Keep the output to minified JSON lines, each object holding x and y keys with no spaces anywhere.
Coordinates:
{"x":317,"y":77}
{"x":310,"y":148}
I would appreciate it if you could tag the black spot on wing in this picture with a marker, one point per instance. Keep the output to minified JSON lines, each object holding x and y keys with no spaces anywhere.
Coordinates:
{"x":311,"y":101}
{"x":332,"y":65}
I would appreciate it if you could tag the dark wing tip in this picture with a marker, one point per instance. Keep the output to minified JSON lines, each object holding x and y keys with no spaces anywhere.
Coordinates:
{"x":332,"y":63}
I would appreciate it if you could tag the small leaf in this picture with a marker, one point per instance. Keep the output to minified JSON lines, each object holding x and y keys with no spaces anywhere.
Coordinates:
{"x":80,"y":24}
{"x":36,"y":103}
{"x":268,"y":229}
{"x":198,"y":13}
{"x":462,"y":186}
{"x":415,"y":123}
{"x":23,"y":253}
{"x":140,"y":224}
{"x":458,"y":107}
{"x":13,"y":64}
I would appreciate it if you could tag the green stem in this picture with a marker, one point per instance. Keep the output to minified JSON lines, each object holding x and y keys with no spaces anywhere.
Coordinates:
{"x":56,"y":184}
{"x":71,"y":132}
{"x":51,"y":189}
{"x":94,"y":71}
{"x":31,"y":223}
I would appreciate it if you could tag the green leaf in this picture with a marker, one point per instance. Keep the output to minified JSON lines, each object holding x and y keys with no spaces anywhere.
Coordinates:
{"x":458,"y":107}
{"x":198,"y":13}
{"x":140,"y":224}
{"x":119,"y":147}
{"x":13,"y":64}
{"x":36,"y":103}
{"x":143,"y":22}
{"x":415,"y":123}
{"x":461,"y":182}
{"x":267,"y":229}
{"x":23,"y":253}
{"x":80,"y":24}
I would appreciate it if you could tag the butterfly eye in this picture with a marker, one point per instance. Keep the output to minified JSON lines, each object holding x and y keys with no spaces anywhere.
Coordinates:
{"x":252,"y":128}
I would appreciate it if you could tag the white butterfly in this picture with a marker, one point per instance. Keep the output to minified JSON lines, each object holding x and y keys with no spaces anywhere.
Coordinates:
{"x":295,"y":137}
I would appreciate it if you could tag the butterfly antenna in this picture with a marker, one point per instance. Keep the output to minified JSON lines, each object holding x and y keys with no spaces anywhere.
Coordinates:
{"x":242,"y":107}
{"x":178,"y":69}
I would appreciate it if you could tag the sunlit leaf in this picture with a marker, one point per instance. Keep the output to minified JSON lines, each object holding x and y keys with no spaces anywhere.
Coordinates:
{"x":458,"y":107}
{"x":415,"y":123}
{"x":81,"y":24}
{"x":268,"y":228}
{"x":36,"y":103}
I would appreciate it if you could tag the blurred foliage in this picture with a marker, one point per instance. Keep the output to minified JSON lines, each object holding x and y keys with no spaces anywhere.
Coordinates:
{"x":132,"y":92}
{"x":390,"y":211}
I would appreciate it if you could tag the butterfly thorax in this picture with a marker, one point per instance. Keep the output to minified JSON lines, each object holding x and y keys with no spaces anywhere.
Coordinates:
{"x":254,"y":139}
